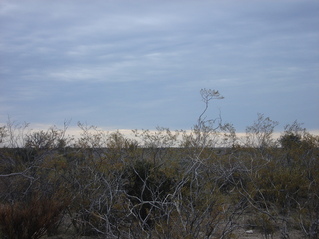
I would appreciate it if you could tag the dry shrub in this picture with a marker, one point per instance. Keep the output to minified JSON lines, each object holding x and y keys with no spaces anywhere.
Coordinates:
{"x":32,"y":219}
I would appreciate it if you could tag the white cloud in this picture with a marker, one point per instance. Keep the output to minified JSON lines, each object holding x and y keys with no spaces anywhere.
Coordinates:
{"x":256,"y":53}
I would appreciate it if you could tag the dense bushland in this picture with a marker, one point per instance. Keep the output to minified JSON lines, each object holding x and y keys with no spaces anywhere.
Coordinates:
{"x":206,"y":183}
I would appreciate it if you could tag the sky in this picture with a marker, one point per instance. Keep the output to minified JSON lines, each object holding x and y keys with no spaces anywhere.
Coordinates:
{"x":141,"y":64}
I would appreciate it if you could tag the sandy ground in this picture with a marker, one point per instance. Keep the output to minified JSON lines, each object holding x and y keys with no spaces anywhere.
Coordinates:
{"x":240,"y":234}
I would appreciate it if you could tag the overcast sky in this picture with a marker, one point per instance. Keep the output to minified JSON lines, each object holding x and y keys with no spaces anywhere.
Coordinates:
{"x":141,"y":64}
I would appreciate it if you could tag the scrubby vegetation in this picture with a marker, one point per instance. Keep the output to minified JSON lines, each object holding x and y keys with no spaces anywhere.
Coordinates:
{"x":206,"y":183}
